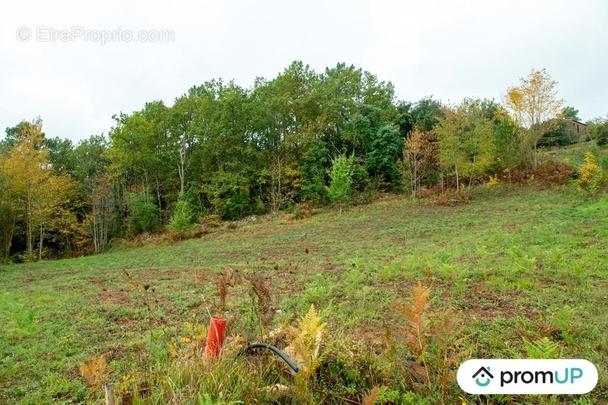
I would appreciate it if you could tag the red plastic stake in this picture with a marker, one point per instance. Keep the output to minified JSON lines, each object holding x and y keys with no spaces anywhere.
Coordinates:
{"x":215,"y":337}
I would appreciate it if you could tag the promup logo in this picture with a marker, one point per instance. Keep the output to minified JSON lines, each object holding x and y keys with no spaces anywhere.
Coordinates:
{"x":527,"y":376}
{"x":485,"y":375}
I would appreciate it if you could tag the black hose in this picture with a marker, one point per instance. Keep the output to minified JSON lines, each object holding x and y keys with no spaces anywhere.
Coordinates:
{"x":278,"y":352}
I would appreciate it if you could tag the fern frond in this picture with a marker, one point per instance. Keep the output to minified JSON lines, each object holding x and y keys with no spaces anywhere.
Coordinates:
{"x":413,"y":312}
{"x":306,"y":340}
{"x":371,"y":397}
{"x":542,"y":349}
{"x":93,"y":371}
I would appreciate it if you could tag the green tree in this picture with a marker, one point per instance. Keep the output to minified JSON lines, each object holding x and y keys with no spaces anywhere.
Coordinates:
{"x":385,"y":150}
{"x":313,"y":169}
{"x":426,"y":113}
{"x":143,"y":214}
{"x":509,"y":150}
{"x":466,"y":140}
{"x":597,"y":129}
{"x":181,"y":221}
{"x":141,"y":153}
{"x":8,"y":211}
{"x":571,"y":113}
{"x":340,"y":186}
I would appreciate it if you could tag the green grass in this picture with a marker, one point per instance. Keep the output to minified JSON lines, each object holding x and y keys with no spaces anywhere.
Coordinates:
{"x":574,"y":154}
{"x":515,"y":263}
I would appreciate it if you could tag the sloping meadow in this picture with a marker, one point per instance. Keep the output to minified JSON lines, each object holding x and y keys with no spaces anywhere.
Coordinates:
{"x":510,"y":273}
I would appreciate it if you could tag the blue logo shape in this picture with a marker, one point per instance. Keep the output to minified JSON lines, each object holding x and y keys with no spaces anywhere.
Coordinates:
{"x":485,"y":374}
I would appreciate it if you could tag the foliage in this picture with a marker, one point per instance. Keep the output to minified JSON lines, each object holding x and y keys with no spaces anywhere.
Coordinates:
{"x":181,"y":221}
{"x":102,"y":214}
{"x":542,"y":349}
{"x":591,"y":176}
{"x":93,"y":372}
{"x":426,"y":113}
{"x":313,"y":169}
{"x":553,"y":173}
{"x":385,"y":148}
{"x":533,"y":104}
{"x":143,"y":214}
{"x":341,"y":175}
{"x":510,"y":154}
{"x":305,"y":343}
{"x":419,"y":158}
{"x":571,"y":113}
{"x":34,"y":192}
{"x":228,"y":194}
{"x":437,"y":344}
{"x":466,"y":141}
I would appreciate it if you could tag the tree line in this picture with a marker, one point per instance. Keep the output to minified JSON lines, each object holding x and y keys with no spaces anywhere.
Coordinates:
{"x":230,"y":152}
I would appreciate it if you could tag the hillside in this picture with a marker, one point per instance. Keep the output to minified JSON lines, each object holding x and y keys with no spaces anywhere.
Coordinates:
{"x":515,"y":264}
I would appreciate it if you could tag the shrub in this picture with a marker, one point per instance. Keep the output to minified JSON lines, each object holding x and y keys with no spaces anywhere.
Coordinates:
{"x":591,"y":176}
{"x":602,"y":136}
{"x":182,"y":216}
{"x":553,"y":173}
{"x":341,"y":174}
{"x":313,"y":169}
{"x":143,"y":215}
{"x":452,"y":198}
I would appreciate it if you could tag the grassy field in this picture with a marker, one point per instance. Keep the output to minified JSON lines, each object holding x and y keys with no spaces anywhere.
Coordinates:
{"x":515,"y":264}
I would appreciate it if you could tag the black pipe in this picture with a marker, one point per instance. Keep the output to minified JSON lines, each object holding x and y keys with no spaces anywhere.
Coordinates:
{"x":279,"y":353}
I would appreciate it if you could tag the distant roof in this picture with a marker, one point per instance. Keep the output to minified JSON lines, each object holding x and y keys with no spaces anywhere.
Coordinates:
{"x":578,"y":122}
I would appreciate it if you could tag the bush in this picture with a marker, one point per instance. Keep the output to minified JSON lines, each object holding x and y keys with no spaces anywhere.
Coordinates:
{"x":341,"y":174}
{"x":553,"y":173}
{"x":591,"y":176}
{"x":313,"y":169}
{"x":229,"y":196}
{"x":143,"y":215}
{"x":452,"y":198}
{"x":182,"y":216}
{"x":602,"y":135}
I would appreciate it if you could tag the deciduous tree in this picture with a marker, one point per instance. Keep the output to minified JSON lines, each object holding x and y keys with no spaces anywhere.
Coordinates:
{"x":533,"y":104}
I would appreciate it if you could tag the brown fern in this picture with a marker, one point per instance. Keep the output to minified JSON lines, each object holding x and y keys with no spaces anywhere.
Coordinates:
{"x":413,"y":312}
{"x":414,"y":331}
{"x":436,"y":341}
{"x":371,"y":397}
{"x":448,"y":350}
{"x":93,"y":372}
{"x":227,"y":278}
{"x":261,"y":298}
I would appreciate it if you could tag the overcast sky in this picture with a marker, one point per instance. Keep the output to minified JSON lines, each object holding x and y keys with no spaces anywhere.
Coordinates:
{"x":53,"y":63}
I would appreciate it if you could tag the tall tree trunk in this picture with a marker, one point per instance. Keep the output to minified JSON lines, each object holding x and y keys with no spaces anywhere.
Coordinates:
{"x":8,"y":222}
{"x":41,"y":241}
{"x":29,"y":231}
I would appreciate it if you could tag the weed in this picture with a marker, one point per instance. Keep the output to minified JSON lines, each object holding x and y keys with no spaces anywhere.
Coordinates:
{"x":542,"y":349}
{"x":93,"y":372}
{"x":305,"y":343}
{"x":437,"y":343}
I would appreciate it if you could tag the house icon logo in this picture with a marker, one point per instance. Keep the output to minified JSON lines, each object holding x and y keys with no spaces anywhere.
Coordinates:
{"x":484,"y":374}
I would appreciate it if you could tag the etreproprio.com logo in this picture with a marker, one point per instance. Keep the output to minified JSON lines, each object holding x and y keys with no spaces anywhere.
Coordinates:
{"x":500,"y":376}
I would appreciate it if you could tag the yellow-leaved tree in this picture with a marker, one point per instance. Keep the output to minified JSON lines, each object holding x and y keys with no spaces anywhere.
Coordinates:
{"x":36,"y":194}
{"x":534,"y":104}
